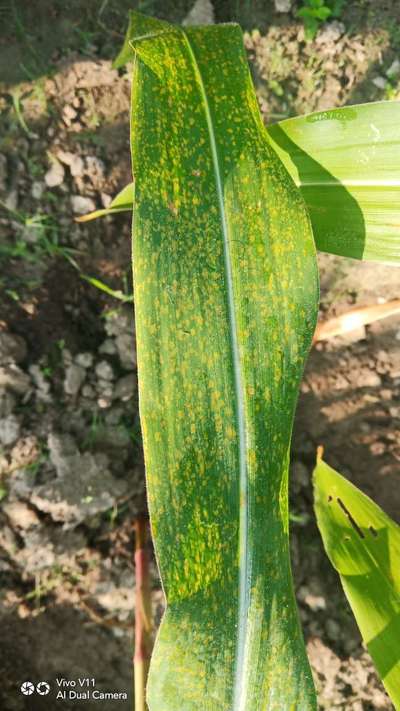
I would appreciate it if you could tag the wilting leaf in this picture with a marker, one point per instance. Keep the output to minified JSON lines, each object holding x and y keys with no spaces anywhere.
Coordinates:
{"x":355,"y":318}
{"x":347,"y":164}
{"x":363,"y":544}
{"x":226,"y":293}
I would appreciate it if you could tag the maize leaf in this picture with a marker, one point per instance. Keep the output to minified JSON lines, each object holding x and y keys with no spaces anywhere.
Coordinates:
{"x":122,"y":202}
{"x":347,"y":164}
{"x":363,"y":544}
{"x":226,"y":293}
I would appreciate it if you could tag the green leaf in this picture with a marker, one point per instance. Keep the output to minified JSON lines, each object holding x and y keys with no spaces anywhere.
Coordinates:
{"x":116,"y":293}
{"x":306,"y":12}
{"x":139,"y":27}
{"x":226,"y":292}
{"x":363,"y":544}
{"x":123,"y":202}
{"x":346,"y":163}
{"x":323,"y":13}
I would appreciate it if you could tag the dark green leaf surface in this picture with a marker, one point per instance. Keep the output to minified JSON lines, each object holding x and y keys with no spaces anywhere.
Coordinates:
{"x":363,"y":544}
{"x":226,"y":293}
{"x":347,"y":164}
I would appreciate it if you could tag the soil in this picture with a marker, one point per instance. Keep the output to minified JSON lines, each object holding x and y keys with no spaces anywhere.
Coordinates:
{"x":68,"y":388}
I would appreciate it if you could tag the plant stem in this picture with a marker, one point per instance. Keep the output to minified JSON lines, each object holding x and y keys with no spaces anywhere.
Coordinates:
{"x":143,"y":623}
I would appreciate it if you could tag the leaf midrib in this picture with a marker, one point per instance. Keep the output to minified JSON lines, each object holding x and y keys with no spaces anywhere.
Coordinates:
{"x":244,"y":558}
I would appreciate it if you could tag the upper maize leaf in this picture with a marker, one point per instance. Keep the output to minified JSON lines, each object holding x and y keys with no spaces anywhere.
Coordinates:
{"x":347,"y":164}
{"x":226,"y":293}
{"x":363,"y":544}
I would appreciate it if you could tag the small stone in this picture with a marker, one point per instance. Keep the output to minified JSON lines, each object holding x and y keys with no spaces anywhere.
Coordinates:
{"x":69,"y":114}
{"x":74,"y":377}
{"x":108,"y":347}
{"x":104,"y":387}
{"x":126,"y":351}
{"x":283,"y":5}
{"x":367,"y":379}
{"x":119,"y":322}
{"x":84,"y":359}
{"x":313,"y":601}
{"x":11,"y":200}
{"x":350,"y":644}
{"x":104,"y":402}
{"x":20,"y":515}
{"x":9,"y":430}
{"x":41,"y":383}
{"x":73,"y":161}
{"x":63,"y":452}
{"x":377,"y":448}
{"x":383,"y":356}
{"x":65,"y":157}
{"x":76,"y":167}
{"x":202,"y":13}
{"x":7,"y":402}
{"x":37,"y":190}
{"x":88,"y":391}
{"x":67,"y":357}
{"x":365,"y":427}
{"x":55,"y":175}
{"x":113,"y":417}
{"x":81,"y":205}
{"x":12,"y":377}
{"x":104,"y":371}
{"x":125,"y":388}
{"x":379,"y":82}
{"x":330,"y":33}
{"x":12,"y":348}
{"x":105,"y":199}
{"x":94,"y":168}
{"x":332,"y":630}
{"x":394,"y":69}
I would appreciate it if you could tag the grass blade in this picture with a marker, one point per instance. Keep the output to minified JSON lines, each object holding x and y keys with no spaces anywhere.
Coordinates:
{"x":346,"y":163}
{"x":363,"y":544}
{"x":226,"y":294}
{"x":123,"y":202}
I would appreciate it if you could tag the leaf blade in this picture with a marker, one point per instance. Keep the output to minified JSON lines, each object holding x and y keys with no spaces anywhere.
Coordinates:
{"x":218,"y":276}
{"x":346,"y":163}
{"x":363,"y":545}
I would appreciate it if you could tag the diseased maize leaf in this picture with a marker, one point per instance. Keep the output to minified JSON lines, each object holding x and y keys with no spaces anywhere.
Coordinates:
{"x":363,"y":544}
{"x":347,"y":164}
{"x":226,"y":293}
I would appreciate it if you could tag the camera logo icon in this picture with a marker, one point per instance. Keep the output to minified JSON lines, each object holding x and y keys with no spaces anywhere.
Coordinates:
{"x":43,"y":688}
{"x":27,"y":688}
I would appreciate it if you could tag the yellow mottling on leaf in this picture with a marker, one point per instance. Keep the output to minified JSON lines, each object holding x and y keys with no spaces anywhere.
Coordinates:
{"x":230,"y":432}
